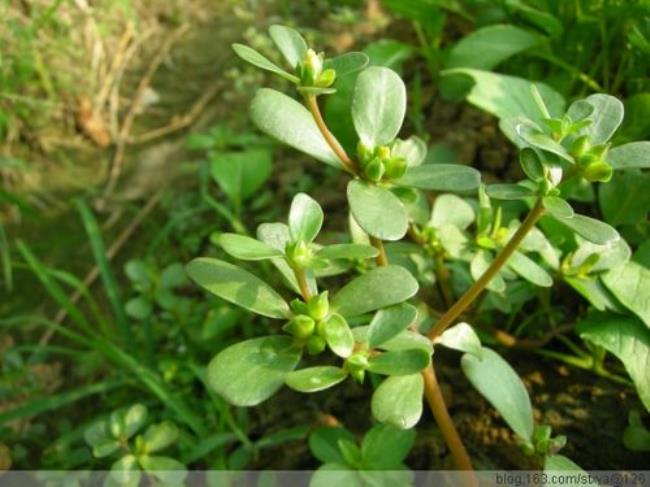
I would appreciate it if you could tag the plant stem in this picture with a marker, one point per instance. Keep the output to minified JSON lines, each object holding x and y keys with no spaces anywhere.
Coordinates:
{"x":449,"y":433}
{"x":382,"y":258}
{"x":501,"y":259}
{"x":312,"y":106}
{"x":301,"y":277}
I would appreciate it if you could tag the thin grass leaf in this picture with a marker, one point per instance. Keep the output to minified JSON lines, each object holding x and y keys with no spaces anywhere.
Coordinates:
{"x":105,"y":272}
{"x":56,"y":401}
{"x":53,"y":288}
{"x":5,"y":260}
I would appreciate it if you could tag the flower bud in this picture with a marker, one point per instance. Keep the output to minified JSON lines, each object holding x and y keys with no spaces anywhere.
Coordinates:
{"x":318,"y":306}
{"x":554,"y":175}
{"x":383,"y":152}
{"x":315,"y":345}
{"x":326,"y":78}
{"x":598,"y":171}
{"x":580,"y":146}
{"x":395,"y":167}
{"x":374,"y":170}
{"x":357,"y":360}
{"x":300,"y":254}
{"x":299,"y":307}
{"x":300,"y":326}
{"x":359,"y":375}
{"x":312,"y":66}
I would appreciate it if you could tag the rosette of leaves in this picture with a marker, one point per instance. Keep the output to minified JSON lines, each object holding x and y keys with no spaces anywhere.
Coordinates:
{"x":116,"y":436}
{"x":387,"y":170}
{"x":155,"y":288}
{"x":377,"y":460}
{"x":251,"y":371}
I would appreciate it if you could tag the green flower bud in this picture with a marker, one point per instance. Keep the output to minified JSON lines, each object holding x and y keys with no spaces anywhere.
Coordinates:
{"x":326,"y":79}
{"x":299,"y":307}
{"x":358,"y":360}
{"x":580,"y":146}
{"x":319,"y":306}
{"x":557,"y":444}
{"x":300,"y":326}
{"x":395,"y":167}
{"x":599,"y":151}
{"x":528,"y":449}
{"x":312,"y":66}
{"x":383,"y":152}
{"x":359,"y":375}
{"x":365,"y":153}
{"x":299,"y":254}
{"x":598,"y":171}
{"x":374,"y":170}
{"x":315,"y":345}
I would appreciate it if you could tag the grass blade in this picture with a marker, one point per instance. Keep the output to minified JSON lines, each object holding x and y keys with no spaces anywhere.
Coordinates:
{"x":57,"y":401}
{"x":108,"y":279}
{"x":53,"y":288}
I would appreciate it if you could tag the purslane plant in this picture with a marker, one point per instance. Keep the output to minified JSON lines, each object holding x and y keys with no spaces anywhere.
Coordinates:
{"x":374,"y":323}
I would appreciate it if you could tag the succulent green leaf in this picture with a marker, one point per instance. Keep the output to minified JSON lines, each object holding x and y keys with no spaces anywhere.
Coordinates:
{"x":628,"y":156}
{"x":534,"y":137}
{"x":625,"y":199}
{"x":477,"y":267}
{"x":139,"y":308}
{"x":557,"y":207}
{"x":441,"y":177}
{"x":390,"y":322}
{"x":286,"y":120}
{"x":385,"y":447}
{"x":323,"y":443}
{"x":509,"y":191}
{"x":399,"y":362}
{"x":313,"y":379}
{"x":291,"y":44}
{"x":413,"y":149}
{"x":628,"y":339}
{"x":611,"y":255}
{"x":305,"y":218}
{"x":126,"y":422}
{"x":379,"y":288}
{"x":125,"y":471}
{"x":558,"y":467}
{"x":256,"y":59}
{"x":636,"y":436}
{"x":105,"y":448}
{"x":461,"y":337}
{"x":160,"y":436}
{"x":405,"y":340}
{"x":529,"y":270}
{"x":238,"y":286}
{"x":247,"y":248}
{"x":347,"y":251}
{"x":249,"y":372}
{"x":168,"y":471}
{"x":398,"y":401}
{"x":508,"y":97}
{"x":377,"y":210}
{"x":338,"y":335}
{"x":605,"y":118}
{"x":240,"y":174}
{"x":630,"y":283}
{"x":378,"y":105}
{"x":501,"y":386}
{"x":588,"y":228}
{"x":449,"y":209}
{"x":347,"y":63}
{"x":487,"y":47}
